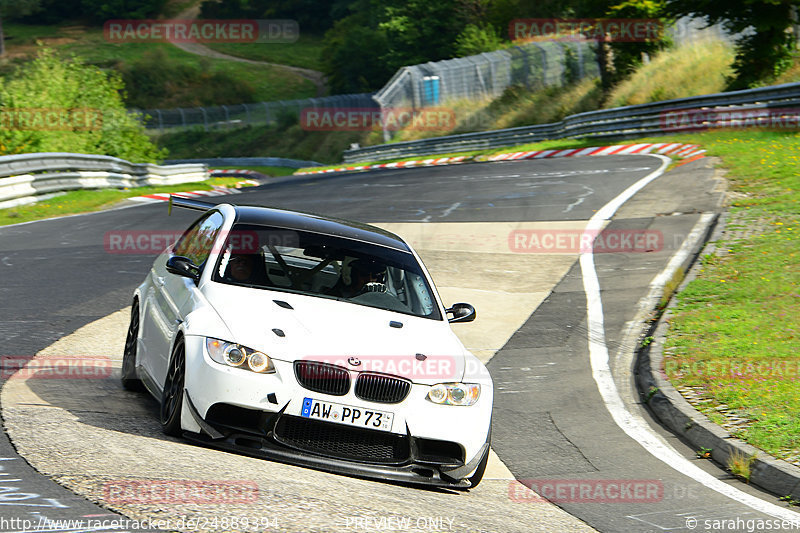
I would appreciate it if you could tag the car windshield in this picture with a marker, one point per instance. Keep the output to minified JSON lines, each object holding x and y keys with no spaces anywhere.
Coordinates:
{"x":325,"y":266}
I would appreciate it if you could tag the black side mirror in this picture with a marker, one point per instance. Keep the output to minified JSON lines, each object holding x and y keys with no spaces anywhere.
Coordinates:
{"x":461,"y":313}
{"x":183,"y":266}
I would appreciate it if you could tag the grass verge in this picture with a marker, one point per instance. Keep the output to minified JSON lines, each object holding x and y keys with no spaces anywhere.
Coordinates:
{"x":735,"y":330}
{"x":288,"y":140}
{"x":199,"y":80}
{"x":267,"y":171}
{"x":85,"y":201}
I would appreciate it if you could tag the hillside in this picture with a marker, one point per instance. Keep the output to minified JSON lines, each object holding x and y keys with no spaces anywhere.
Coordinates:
{"x":158,"y":75}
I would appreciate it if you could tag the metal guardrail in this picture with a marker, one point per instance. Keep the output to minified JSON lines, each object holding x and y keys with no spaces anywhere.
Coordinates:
{"x":27,"y":178}
{"x":617,"y":122}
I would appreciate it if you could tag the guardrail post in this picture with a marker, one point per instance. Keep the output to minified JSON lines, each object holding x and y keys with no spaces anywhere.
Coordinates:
{"x":205,"y":117}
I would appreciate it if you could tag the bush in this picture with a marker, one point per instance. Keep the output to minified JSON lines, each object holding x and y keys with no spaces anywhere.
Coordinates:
{"x":476,"y":39}
{"x":62,"y":105}
{"x":157,"y":77}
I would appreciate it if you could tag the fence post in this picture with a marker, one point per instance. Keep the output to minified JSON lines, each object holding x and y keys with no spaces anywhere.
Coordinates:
{"x":544,"y":63}
{"x":266,"y":111}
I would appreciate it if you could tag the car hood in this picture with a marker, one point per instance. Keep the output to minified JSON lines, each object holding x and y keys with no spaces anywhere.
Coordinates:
{"x":289,"y":327}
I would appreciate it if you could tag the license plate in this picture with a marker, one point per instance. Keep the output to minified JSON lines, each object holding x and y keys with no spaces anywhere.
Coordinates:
{"x":347,"y":414}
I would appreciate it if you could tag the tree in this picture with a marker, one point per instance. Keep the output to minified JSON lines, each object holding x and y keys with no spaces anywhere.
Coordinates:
{"x":476,"y":39}
{"x":15,"y":8}
{"x":353,"y":58}
{"x":101,"y":10}
{"x":376,"y":38}
{"x":764,"y":33}
{"x":312,"y":16}
{"x":62,"y":105}
{"x":627,"y":56}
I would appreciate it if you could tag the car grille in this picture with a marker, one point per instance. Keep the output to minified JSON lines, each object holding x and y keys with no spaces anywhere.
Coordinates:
{"x":381,"y":388}
{"x":342,"y":442}
{"x":322,"y":377}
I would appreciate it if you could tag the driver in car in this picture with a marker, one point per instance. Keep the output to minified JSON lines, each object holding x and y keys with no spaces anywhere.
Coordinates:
{"x":365,"y":276}
{"x":246,"y":268}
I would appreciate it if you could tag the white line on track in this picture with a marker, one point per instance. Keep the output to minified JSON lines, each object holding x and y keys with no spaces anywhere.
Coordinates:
{"x":450,"y":209}
{"x":633,"y":425}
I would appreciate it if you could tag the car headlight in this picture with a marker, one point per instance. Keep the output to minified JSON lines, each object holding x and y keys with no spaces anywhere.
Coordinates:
{"x":454,"y":393}
{"x":231,"y":354}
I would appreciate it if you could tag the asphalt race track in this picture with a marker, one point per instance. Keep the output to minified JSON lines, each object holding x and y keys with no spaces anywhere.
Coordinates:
{"x":473,"y":225}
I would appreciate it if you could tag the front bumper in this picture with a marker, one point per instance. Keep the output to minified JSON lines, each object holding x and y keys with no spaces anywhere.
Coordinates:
{"x":414,"y":462}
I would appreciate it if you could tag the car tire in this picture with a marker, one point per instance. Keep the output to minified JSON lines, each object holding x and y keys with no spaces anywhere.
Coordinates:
{"x":129,"y":380}
{"x":476,"y":478}
{"x":172,"y":395}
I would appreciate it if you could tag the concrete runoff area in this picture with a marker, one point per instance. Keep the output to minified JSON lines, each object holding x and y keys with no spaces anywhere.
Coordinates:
{"x":94,"y":437}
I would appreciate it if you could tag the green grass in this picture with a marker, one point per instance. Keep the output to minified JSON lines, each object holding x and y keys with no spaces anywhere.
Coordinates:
{"x":289,"y":141}
{"x":689,"y":70}
{"x":267,"y":171}
{"x":268,"y":83}
{"x":85,"y":201}
{"x":736,"y":328}
{"x":27,"y":34}
{"x":305,"y":52}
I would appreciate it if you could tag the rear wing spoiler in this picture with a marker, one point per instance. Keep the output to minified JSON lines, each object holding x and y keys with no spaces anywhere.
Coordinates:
{"x":188,"y":203}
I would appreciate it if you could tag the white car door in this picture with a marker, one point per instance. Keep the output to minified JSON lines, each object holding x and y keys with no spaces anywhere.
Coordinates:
{"x":171,"y":293}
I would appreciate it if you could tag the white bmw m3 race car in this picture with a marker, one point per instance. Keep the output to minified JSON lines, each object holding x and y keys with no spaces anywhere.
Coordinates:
{"x":312,"y":341}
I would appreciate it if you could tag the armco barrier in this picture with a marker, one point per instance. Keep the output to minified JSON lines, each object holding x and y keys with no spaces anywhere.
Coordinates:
{"x":628,"y":121}
{"x":26,"y":178}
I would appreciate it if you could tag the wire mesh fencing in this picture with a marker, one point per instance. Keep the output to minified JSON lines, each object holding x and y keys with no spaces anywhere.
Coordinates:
{"x":240,"y":115}
{"x":533,"y":65}
{"x":487,"y":75}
